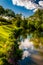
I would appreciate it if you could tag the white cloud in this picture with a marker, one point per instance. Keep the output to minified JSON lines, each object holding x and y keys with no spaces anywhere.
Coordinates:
{"x":28,"y":4}
{"x":41,"y":3}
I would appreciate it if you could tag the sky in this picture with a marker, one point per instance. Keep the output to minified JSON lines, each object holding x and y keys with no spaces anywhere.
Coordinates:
{"x":26,"y":7}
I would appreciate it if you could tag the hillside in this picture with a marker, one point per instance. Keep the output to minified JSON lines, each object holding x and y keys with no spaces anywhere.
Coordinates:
{"x":12,"y":27}
{"x":6,"y":12}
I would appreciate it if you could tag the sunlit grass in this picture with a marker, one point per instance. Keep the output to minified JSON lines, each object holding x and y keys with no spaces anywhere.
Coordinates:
{"x":4,"y":31}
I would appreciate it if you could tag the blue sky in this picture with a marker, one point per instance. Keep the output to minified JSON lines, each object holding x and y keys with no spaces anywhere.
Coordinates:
{"x":26,"y":7}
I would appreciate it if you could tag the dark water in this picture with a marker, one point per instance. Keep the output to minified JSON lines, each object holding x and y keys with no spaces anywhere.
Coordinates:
{"x":33,"y":59}
{"x":27,"y":61}
{"x":30,"y":60}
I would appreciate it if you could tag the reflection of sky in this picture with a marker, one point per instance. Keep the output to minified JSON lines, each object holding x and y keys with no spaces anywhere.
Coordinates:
{"x":25,"y":45}
{"x":28,"y":36}
{"x":25,"y":54}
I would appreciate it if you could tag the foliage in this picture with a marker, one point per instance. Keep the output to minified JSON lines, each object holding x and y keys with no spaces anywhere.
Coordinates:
{"x":6,"y":12}
{"x":1,"y":10}
{"x":9,"y":12}
{"x":11,"y":30}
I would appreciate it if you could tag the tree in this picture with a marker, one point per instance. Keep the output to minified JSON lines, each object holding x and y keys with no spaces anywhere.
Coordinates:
{"x":1,"y":10}
{"x":12,"y":30}
{"x":9,"y":12}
